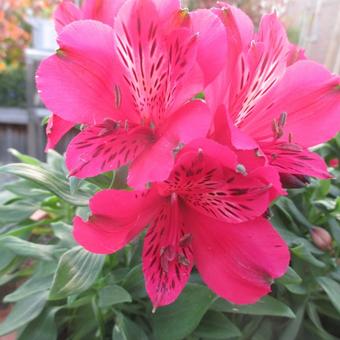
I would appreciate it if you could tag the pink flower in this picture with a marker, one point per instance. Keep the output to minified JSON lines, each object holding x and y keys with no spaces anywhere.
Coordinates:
{"x":132,"y":85}
{"x":66,"y":13}
{"x":208,"y":213}
{"x":271,"y":98}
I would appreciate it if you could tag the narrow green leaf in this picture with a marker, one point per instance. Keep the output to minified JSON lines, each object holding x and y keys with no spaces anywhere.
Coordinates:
{"x":6,"y":257}
{"x":134,"y":282}
{"x":23,"y":312}
{"x":217,"y":326}
{"x":293,"y":327}
{"x":48,"y":180}
{"x":16,"y":212}
{"x":63,"y":232}
{"x":332,"y":289}
{"x":304,"y":254}
{"x":28,"y":249}
{"x":179,"y":319}
{"x":76,"y":272}
{"x":24,"y":158}
{"x":125,"y":329}
{"x":291,"y":277}
{"x":266,"y":306}
{"x":30,"y":287}
{"x":42,"y":328}
{"x":111,"y":295}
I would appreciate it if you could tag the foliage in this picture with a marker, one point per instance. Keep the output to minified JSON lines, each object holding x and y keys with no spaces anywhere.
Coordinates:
{"x":64,"y":291}
{"x":12,"y":87}
{"x":15,"y":29}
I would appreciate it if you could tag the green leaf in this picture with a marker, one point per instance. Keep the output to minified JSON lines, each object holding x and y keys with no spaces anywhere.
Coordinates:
{"x":111,"y":295}
{"x":28,"y":249}
{"x":53,"y":182}
{"x":25,"y":188}
{"x":16,"y":212}
{"x":291,"y":277}
{"x":6,"y":257}
{"x":179,"y":319}
{"x":332,"y":289}
{"x":292,"y":328}
{"x":304,"y":254}
{"x":217,"y":326}
{"x":76,"y":272}
{"x":24,"y":158}
{"x":63,"y":232}
{"x":30,"y":287}
{"x":126,"y":329}
{"x":134,"y":282}
{"x":266,"y":306}
{"x":23,"y":312}
{"x":42,"y":328}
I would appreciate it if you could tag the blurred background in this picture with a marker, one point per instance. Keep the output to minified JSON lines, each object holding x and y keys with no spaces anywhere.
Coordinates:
{"x":27,"y":36}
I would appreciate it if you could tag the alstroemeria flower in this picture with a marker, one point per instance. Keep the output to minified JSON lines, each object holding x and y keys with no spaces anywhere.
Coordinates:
{"x":208,"y":213}
{"x":66,"y":13}
{"x":132,"y":85}
{"x":101,"y":10}
{"x":268,"y":96}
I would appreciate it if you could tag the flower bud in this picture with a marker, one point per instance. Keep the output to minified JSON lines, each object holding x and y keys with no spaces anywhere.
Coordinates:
{"x":321,"y":238}
{"x":293,"y":181}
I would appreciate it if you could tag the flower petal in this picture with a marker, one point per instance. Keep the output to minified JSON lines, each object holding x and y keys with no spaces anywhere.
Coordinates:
{"x":310,"y":98}
{"x":83,"y":81}
{"x":167,"y":256}
{"x":156,"y":58}
{"x":237,"y":261}
{"x":260,"y":69}
{"x":56,"y":128}
{"x":102,"y":10}
{"x":117,"y":218}
{"x":217,"y":188}
{"x":105,"y":147}
{"x":66,"y":13}
{"x":293,"y":159}
{"x":190,"y":122}
{"x":212,"y":46}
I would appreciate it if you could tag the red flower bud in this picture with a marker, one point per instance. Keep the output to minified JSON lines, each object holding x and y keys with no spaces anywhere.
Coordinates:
{"x":321,"y":238}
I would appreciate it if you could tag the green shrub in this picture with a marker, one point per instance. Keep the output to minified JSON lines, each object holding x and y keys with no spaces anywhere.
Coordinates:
{"x":69,"y":293}
{"x":12,"y":87}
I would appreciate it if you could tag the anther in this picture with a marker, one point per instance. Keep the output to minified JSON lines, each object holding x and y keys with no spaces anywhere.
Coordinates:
{"x":241,"y":169}
{"x":283,"y":119}
{"x":183,"y":260}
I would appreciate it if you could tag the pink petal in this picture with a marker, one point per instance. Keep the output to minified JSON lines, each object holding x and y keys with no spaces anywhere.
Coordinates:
{"x":66,"y":13}
{"x":237,"y":261}
{"x":225,"y":132}
{"x":296,"y":53}
{"x":212,"y":42}
{"x":232,"y":197}
{"x":105,"y":147}
{"x":56,"y":128}
{"x":206,"y":177}
{"x":156,"y":59}
{"x":102,"y":10}
{"x":258,"y":71}
{"x":310,"y":98}
{"x":166,"y":8}
{"x":190,"y":122}
{"x":239,"y":26}
{"x":82,"y":82}
{"x":167,"y":256}
{"x":293,"y":159}
{"x":117,"y":218}
{"x":240,"y":32}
